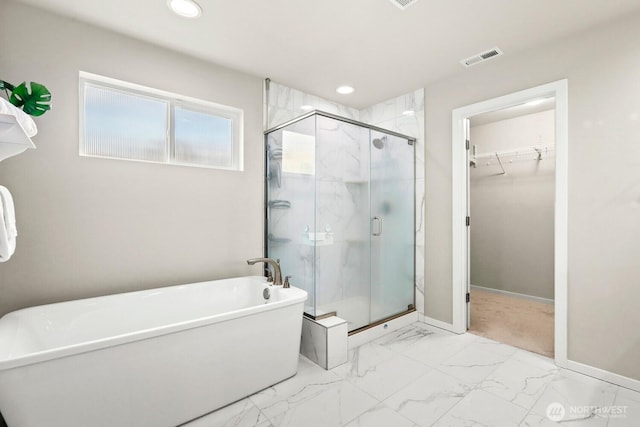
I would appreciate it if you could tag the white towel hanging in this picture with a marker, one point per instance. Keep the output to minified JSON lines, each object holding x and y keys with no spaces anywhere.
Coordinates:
{"x":25,"y":120}
{"x":8,"y":230}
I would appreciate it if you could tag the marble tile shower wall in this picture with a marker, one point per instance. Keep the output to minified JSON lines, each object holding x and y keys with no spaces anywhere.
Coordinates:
{"x":340,"y":182}
{"x":286,"y":104}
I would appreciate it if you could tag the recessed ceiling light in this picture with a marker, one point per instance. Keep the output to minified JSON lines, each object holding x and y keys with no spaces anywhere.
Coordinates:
{"x":307,"y":107}
{"x":408,"y":113}
{"x":345,"y":90}
{"x":185,"y":8}
{"x":403,"y":4}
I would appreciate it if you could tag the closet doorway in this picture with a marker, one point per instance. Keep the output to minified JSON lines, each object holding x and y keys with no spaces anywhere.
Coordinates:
{"x":510,"y":219}
{"x":511,"y":206}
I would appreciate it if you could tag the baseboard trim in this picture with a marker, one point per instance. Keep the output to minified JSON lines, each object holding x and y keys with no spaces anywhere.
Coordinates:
{"x":439,"y":324}
{"x":513,"y":294}
{"x":603,"y":375}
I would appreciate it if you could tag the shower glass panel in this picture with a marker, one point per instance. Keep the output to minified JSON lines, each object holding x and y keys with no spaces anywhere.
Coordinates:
{"x":392,"y":212}
{"x":342,"y":221}
{"x":290,"y":204}
{"x":340,"y":215}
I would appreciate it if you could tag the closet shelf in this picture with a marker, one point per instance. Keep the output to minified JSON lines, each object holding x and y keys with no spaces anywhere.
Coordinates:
{"x":13,"y":139}
{"x":534,"y":151}
{"x":525,"y":153}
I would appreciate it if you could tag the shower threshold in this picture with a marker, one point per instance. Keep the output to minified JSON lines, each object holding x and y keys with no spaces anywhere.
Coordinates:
{"x":381,"y":322}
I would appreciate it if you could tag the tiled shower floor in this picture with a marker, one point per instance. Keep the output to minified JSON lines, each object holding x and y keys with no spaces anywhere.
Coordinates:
{"x":423,"y":376}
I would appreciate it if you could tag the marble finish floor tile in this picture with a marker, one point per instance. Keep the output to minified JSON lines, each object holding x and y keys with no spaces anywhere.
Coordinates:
{"x":380,"y":416}
{"x":625,"y":412}
{"x":473,"y":364}
{"x":535,"y":359}
{"x":480,"y":408}
{"x":581,"y":398}
{"x":240,"y":414}
{"x":438,"y":347}
{"x":494,"y":347}
{"x":535,"y":420}
{"x":628,"y":402}
{"x":424,"y":401}
{"x":518,"y":382}
{"x":307,"y":384}
{"x":406,"y":337}
{"x":385,"y":378}
{"x":334,"y":406}
{"x":362,"y":359}
{"x":421,"y":376}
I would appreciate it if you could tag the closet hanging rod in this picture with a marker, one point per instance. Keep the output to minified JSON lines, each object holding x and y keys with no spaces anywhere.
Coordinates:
{"x":539,"y":151}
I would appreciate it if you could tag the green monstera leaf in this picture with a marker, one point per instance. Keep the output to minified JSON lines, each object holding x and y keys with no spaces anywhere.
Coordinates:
{"x":36,"y":103}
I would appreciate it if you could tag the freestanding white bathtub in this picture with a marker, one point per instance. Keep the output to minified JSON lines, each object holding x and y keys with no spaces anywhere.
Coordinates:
{"x":155,"y":358}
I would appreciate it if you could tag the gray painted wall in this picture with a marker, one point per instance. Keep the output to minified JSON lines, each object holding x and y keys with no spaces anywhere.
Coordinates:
{"x":604,"y":182}
{"x":512,"y":214}
{"x":91,"y":226}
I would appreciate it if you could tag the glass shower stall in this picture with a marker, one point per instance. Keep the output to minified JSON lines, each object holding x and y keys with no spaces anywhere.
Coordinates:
{"x":340,"y":216}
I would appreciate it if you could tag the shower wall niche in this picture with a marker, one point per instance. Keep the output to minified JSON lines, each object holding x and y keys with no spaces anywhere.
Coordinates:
{"x":340,"y":216}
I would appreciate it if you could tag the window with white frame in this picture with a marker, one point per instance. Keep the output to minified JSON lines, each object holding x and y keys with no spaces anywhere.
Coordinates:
{"x":123,"y":120}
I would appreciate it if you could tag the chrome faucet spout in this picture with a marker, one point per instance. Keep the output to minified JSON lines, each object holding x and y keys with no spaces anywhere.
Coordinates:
{"x":277,"y":273}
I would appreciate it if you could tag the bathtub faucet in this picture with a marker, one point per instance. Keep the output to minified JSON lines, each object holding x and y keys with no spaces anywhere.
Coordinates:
{"x":277,"y":273}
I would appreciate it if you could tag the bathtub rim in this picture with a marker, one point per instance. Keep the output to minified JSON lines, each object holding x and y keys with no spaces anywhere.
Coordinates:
{"x":298,"y":296}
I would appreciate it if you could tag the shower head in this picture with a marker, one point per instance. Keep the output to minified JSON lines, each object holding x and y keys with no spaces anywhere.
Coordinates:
{"x":379,"y":142}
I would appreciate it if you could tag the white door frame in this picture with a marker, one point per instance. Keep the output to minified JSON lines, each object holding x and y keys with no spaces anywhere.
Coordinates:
{"x":559,"y":90}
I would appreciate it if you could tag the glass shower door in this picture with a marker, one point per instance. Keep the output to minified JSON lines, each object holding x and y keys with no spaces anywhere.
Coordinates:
{"x":392,"y":225}
{"x":340,"y":216}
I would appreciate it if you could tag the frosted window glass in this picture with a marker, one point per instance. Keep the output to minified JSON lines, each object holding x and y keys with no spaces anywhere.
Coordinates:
{"x":124,"y":125}
{"x":127,"y":121}
{"x":203,"y":138}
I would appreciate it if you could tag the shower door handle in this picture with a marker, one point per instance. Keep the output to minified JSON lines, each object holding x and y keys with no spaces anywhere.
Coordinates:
{"x":376,"y":226}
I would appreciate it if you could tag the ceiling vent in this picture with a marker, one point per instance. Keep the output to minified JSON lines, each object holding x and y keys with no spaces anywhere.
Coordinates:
{"x":403,"y":4}
{"x":476,"y":59}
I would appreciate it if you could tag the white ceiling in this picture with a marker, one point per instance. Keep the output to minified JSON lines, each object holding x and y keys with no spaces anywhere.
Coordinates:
{"x":317,"y":45}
